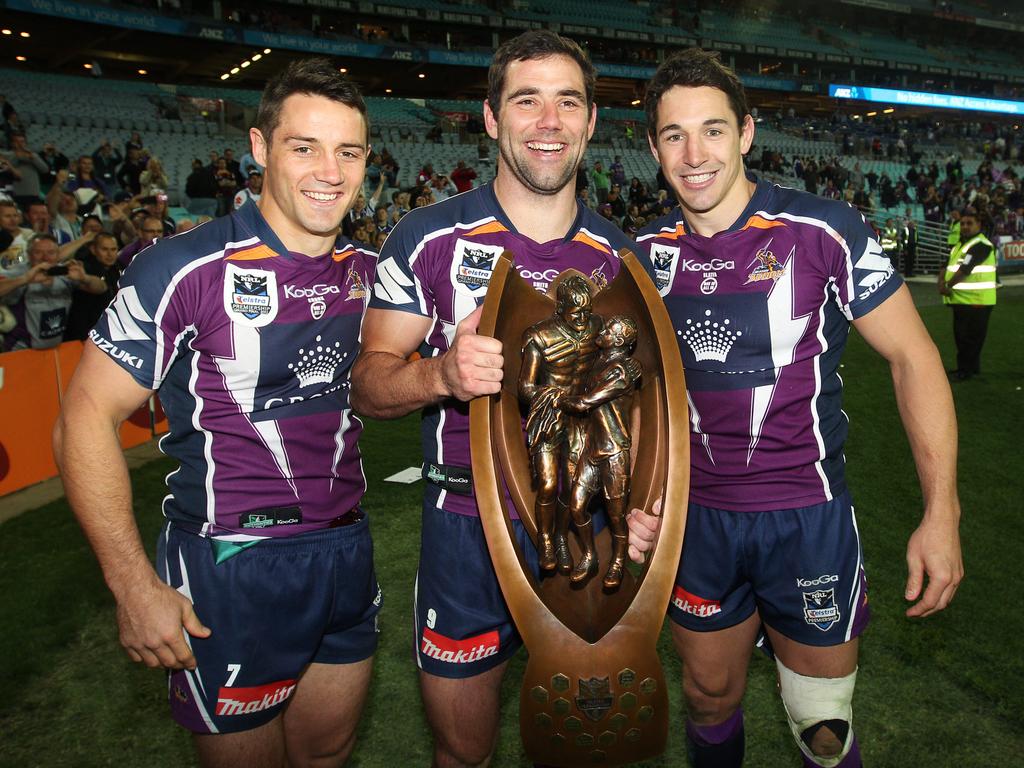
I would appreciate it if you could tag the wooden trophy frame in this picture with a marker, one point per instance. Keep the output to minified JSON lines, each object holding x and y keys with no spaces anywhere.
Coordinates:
{"x":594,"y":692}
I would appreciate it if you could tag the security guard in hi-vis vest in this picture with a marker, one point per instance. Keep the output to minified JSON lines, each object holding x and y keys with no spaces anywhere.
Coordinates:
{"x":968,"y":285}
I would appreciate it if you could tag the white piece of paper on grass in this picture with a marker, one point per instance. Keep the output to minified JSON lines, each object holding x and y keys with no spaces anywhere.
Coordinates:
{"x":408,"y":476}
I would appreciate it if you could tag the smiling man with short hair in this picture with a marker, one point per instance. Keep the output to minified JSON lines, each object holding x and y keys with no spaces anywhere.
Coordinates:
{"x":263,"y":604}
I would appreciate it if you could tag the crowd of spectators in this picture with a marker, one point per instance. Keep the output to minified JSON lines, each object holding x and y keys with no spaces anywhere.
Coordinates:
{"x":115,"y":200}
{"x":69,"y":226}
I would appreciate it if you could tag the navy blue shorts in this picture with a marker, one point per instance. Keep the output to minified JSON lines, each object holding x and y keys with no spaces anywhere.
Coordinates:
{"x":272,"y":609}
{"x":463,"y":627}
{"x":801,"y":569}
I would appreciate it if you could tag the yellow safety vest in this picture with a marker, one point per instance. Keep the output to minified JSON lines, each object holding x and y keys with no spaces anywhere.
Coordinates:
{"x":979,"y":287}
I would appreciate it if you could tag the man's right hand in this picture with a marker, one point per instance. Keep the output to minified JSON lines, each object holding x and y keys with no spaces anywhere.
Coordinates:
{"x":473,"y":365}
{"x":150,"y":620}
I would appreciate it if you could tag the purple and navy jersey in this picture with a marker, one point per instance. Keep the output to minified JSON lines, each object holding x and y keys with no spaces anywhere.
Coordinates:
{"x":250,"y":347}
{"x":437,"y":263}
{"x":762,"y":312}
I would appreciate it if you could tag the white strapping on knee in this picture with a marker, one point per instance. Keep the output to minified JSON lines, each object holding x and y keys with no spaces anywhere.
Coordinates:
{"x":811,"y":700}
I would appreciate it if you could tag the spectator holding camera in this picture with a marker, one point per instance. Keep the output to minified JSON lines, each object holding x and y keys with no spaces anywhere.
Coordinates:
{"x":28,"y":167}
{"x":106,"y":160}
{"x":64,"y":206}
{"x":153,"y":180}
{"x":441,"y":187}
{"x":86,"y":307}
{"x":462,"y":176}
{"x":129,"y":174}
{"x":41,"y":295}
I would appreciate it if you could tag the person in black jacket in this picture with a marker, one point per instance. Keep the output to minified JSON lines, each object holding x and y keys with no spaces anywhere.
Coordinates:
{"x":86,"y":308}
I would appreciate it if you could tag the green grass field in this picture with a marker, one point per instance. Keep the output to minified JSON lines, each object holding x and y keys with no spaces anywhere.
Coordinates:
{"x":945,"y":691}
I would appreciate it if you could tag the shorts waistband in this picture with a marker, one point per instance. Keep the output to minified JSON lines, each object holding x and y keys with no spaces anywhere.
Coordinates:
{"x":452,"y":478}
{"x":354,"y":523}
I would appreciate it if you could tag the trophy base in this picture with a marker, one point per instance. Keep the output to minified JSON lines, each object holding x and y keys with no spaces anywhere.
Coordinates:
{"x":614,"y":712}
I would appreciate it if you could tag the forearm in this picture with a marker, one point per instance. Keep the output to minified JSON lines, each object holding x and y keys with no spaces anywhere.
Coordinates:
{"x":96,"y":481}
{"x":53,"y":198}
{"x":926,"y":409}
{"x":9,"y":284}
{"x":386,"y":386}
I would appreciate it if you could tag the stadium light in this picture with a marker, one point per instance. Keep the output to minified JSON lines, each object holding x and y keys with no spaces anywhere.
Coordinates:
{"x":21,"y":58}
{"x":387,"y":90}
{"x":257,"y":56}
{"x":143,"y":72}
{"x":25,"y":34}
{"x":888,"y":111}
{"x":343,"y":70}
{"x":871,"y":114}
{"x":421,"y":75}
{"x":635,"y":103}
{"x":266,"y":50}
{"x":6,"y":31}
{"x":235,"y":70}
{"x":246,"y":64}
{"x":87,"y":66}
{"x":225,"y":76}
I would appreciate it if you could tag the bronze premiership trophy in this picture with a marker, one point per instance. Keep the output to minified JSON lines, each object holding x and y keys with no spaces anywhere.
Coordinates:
{"x":593,"y":410}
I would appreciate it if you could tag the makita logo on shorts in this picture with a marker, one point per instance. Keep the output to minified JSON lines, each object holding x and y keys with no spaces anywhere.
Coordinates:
{"x":695,"y":606}
{"x":246,"y":701}
{"x":825,"y":578}
{"x":442,"y":648}
{"x":712,"y":266}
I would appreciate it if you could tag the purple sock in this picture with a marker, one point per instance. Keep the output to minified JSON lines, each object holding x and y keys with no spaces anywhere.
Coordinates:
{"x":852,"y":759}
{"x":706,"y":735}
{"x":716,"y":746}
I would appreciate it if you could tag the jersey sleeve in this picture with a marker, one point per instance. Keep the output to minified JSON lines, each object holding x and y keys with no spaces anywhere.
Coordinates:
{"x":976,"y":254}
{"x":142,"y":329}
{"x":399,"y":278}
{"x":864,"y":276}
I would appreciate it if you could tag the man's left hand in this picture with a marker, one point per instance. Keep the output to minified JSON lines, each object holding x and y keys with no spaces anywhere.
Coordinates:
{"x":933,"y":550}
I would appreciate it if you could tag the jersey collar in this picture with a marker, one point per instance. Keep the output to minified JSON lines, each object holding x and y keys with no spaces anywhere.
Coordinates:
{"x":495,"y":208}
{"x":251,"y":219}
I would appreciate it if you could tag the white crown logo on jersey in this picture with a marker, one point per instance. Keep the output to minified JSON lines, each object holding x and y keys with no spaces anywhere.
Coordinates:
{"x":317,"y":364}
{"x":709,"y":339}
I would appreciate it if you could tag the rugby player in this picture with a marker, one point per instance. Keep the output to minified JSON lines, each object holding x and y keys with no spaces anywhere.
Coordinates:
{"x":263,"y":603}
{"x":433,"y":274}
{"x":762,"y":284}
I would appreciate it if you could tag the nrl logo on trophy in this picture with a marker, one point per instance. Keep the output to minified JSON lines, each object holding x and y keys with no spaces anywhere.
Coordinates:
{"x":591,"y":422}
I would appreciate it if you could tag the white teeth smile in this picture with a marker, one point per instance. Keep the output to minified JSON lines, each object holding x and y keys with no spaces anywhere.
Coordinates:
{"x":698,"y":178}
{"x":544,"y":147}
{"x":324,"y":197}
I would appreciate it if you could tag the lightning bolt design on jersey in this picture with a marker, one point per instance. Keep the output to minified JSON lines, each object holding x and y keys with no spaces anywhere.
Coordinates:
{"x":786,"y":331}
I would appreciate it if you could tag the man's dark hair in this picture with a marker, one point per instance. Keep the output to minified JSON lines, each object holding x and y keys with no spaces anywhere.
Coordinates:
{"x":536,"y":44}
{"x":310,"y":77}
{"x":102,"y":236}
{"x":693,"y":68}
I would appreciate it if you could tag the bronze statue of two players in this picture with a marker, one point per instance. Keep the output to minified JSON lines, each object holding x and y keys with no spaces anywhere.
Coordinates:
{"x":595,"y":406}
{"x":576,"y":382}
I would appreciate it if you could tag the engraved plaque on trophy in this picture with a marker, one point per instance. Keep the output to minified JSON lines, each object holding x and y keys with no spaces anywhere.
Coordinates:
{"x":591,"y":422}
